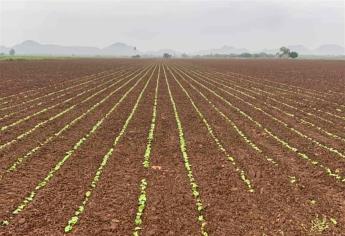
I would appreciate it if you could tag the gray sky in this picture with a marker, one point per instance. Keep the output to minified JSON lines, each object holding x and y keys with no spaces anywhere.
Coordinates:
{"x":182,"y":25}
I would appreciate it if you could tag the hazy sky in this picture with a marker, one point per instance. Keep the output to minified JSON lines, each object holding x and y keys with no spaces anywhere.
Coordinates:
{"x":182,"y":25}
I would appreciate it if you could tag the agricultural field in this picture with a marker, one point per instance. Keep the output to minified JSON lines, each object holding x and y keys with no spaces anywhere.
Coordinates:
{"x":172,"y":147}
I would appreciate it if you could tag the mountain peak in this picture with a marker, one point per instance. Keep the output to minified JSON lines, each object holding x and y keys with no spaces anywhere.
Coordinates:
{"x":30,"y":43}
{"x":330,"y":49}
{"x":120,"y":49}
{"x":119,"y":44}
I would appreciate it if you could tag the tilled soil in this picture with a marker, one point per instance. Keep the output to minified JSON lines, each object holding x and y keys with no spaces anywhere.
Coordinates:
{"x":252,"y":174}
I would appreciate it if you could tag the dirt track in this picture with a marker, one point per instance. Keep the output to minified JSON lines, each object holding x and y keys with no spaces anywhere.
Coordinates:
{"x":237,"y":147}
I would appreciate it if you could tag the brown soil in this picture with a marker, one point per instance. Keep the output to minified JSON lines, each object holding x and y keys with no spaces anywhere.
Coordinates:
{"x":294,"y":197}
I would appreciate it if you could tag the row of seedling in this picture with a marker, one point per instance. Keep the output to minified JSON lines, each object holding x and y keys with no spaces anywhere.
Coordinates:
{"x":183,"y":148}
{"x":280,"y":94}
{"x":241,"y":133}
{"x":219,"y":144}
{"x":279,"y":121}
{"x":142,"y":199}
{"x":19,"y":160}
{"x":54,"y":92}
{"x":33,"y":106}
{"x":36,"y":90}
{"x":282,"y":142}
{"x":293,"y":91}
{"x":68,"y":154}
{"x":75,"y":218}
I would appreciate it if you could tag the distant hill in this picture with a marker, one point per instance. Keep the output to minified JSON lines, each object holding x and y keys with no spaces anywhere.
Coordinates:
{"x":223,"y":50}
{"x":119,"y":49}
{"x":330,"y":49}
{"x":300,"y":49}
{"x":4,"y":49}
{"x":160,"y":52}
{"x":30,"y":47}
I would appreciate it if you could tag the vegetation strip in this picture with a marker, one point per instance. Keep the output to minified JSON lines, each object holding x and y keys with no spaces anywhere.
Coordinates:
{"x":284,"y":124}
{"x":143,"y":184}
{"x":219,"y":144}
{"x":291,"y":106}
{"x":141,"y":207}
{"x":241,"y":133}
{"x":311,"y":91}
{"x":301,"y":120}
{"x":287,"y":92}
{"x":19,"y":121}
{"x":22,"y":158}
{"x":54,"y":85}
{"x":298,"y":93}
{"x":183,"y":148}
{"x":42,"y":123}
{"x":147,"y":154}
{"x":285,"y":98}
{"x":74,"y":219}
{"x":41,"y":184}
{"x":54,"y":92}
{"x":9,"y":114}
{"x":339,"y":117}
{"x":332,"y":173}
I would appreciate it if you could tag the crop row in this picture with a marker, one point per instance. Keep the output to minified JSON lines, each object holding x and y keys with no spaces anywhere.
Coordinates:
{"x":286,"y":92}
{"x":183,"y":148}
{"x":241,"y":133}
{"x":285,"y":144}
{"x":68,"y":154}
{"x":147,"y":154}
{"x":284,"y":124}
{"x":219,"y":144}
{"x":36,"y":90}
{"x":33,"y":106}
{"x":75,"y":218}
{"x":300,"y":120}
{"x":294,"y":90}
{"x":146,"y":163}
{"x":283,"y":97}
{"x":297,"y":88}
{"x":301,"y":104}
{"x":46,"y":109}
{"x":74,"y":82}
{"x":64,"y":89}
{"x":44,"y":122}
{"x":141,"y":207}
{"x":19,"y":160}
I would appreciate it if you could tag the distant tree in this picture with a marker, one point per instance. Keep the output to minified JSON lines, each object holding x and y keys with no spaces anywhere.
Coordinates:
{"x":184,"y":55}
{"x":287,"y":53}
{"x":293,"y":54}
{"x":167,"y":55}
{"x":283,"y":52}
{"x":136,"y":56}
{"x":245,"y":55}
{"x":12,"y":52}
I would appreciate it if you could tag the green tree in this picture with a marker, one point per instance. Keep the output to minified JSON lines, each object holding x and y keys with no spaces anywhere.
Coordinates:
{"x":293,"y":54}
{"x":283,"y":52}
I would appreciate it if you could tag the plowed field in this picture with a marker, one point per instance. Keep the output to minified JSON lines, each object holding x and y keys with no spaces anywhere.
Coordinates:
{"x":172,"y":147}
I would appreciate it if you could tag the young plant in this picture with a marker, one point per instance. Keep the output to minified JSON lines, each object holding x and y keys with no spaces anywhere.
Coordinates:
{"x":75,"y":218}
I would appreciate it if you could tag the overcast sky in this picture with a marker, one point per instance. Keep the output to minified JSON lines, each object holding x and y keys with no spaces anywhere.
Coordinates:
{"x":182,"y":25}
